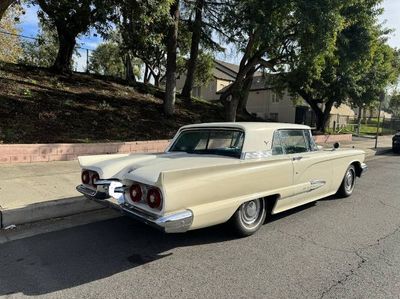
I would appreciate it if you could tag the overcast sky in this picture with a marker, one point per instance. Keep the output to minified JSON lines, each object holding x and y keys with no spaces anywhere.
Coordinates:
{"x":391,"y":17}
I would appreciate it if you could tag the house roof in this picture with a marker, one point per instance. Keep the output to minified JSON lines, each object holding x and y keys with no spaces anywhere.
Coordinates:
{"x":260,"y":82}
{"x":227,"y":71}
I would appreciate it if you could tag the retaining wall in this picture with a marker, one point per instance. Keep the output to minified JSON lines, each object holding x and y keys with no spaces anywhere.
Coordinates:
{"x":31,"y":153}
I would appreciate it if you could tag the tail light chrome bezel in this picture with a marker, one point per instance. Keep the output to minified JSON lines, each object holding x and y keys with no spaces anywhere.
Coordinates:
{"x":143,"y":202}
{"x":89,"y":178}
{"x":154,"y":198}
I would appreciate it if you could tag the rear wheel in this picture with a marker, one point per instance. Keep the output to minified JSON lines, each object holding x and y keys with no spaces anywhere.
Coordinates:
{"x":348,"y":183}
{"x":249,"y":217}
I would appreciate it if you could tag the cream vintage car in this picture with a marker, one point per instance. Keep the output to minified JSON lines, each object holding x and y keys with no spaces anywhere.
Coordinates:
{"x":219,"y":172}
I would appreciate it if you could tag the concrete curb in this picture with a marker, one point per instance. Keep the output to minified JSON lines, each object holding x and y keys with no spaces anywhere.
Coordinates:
{"x":378,"y":152}
{"x":46,"y":210}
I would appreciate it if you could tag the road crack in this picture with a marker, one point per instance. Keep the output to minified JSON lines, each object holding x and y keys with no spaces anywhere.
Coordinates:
{"x":310,"y":241}
{"x":359,"y":265}
{"x":388,"y":205}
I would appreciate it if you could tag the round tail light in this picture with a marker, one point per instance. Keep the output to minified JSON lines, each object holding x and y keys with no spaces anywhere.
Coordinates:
{"x":95,"y":178}
{"x":154,"y":198}
{"x":135,"y":193}
{"x":85,"y":176}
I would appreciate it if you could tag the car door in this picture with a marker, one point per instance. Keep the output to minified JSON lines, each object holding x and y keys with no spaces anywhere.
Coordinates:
{"x":312,"y":170}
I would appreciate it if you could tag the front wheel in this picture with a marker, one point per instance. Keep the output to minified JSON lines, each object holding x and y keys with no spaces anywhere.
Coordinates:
{"x":249,"y":217}
{"x":348,"y":183}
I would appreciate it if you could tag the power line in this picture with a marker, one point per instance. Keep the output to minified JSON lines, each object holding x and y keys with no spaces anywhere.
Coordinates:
{"x":34,"y":38}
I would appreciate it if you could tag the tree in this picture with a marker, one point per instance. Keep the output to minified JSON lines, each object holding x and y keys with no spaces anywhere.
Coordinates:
{"x":324,"y":78}
{"x":43,"y":51}
{"x":269,"y":33}
{"x":12,"y":49}
{"x":142,"y":27}
{"x":394,"y":105}
{"x":4,"y":5}
{"x":203,"y":70}
{"x":201,"y":28}
{"x":108,"y":60}
{"x":71,"y":18}
{"x":194,"y":49}
{"x":172,"y":45}
{"x":383,"y":70}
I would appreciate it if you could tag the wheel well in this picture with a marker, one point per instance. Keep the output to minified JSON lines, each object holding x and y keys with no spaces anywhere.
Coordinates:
{"x":270,"y":202}
{"x":358,"y":168}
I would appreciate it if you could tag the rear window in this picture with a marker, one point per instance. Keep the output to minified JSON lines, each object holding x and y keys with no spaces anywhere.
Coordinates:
{"x":210,"y":142}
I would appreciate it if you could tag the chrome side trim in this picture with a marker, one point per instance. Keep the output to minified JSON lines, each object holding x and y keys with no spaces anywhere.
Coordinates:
{"x":255,"y":155}
{"x":364,"y":169}
{"x":316,"y":184}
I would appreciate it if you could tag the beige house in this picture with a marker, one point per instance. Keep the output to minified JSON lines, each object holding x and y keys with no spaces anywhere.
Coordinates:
{"x":263,"y":102}
{"x":224,"y":74}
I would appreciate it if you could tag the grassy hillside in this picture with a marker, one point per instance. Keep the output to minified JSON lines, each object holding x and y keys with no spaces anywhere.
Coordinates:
{"x":37,"y":106}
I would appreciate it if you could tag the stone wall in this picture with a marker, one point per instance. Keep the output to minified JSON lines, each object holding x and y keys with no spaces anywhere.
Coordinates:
{"x":31,"y":153}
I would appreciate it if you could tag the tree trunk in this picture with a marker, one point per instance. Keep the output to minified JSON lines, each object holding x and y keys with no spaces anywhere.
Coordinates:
{"x":172,"y":43}
{"x":194,"y":50}
{"x":248,"y":81}
{"x":231,"y":108}
{"x":233,"y":95}
{"x":156,"y":80}
{"x":322,"y":116}
{"x":359,"y":120}
{"x":67,"y":42}
{"x":146,"y":75}
{"x":130,"y":76}
{"x":4,"y":5}
{"x":230,"y":98}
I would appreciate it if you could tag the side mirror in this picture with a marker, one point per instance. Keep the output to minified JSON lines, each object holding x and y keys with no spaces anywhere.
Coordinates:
{"x":336,"y":145}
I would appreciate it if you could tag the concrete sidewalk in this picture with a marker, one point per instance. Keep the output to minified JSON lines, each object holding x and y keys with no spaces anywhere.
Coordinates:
{"x":368,"y":145}
{"x":37,"y":191}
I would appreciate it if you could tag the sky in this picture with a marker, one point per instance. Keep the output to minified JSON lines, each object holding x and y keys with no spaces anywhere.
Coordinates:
{"x":29,"y":27}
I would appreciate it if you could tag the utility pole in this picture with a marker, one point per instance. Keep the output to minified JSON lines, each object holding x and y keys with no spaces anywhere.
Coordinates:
{"x":87,"y":60}
{"x":381,"y":99}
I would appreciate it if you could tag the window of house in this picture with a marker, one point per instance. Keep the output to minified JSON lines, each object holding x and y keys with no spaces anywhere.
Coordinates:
{"x":294,"y":141}
{"x":276,"y":98}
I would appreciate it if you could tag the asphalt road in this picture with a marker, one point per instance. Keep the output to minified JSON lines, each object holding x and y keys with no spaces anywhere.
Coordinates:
{"x":335,"y":248}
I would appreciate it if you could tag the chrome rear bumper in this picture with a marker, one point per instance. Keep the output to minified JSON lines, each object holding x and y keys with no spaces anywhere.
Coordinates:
{"x":174,"y":223}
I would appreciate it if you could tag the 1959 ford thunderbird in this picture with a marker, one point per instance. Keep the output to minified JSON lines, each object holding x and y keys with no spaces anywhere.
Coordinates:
{"x":219,"y":172}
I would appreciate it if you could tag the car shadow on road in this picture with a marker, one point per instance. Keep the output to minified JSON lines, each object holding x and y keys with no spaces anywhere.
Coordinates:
{"x":64,"y":259}
{"x":60,"y":260}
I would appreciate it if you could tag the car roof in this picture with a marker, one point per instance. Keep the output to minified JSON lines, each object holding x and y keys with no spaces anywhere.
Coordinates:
{"x":259,"y":135}
{"x":249,"y":126}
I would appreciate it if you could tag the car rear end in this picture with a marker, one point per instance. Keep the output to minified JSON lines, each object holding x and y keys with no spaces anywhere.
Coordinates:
{"x":138,"y":200}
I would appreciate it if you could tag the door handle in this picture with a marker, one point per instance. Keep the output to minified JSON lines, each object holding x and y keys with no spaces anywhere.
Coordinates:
{"x":298,"y":158}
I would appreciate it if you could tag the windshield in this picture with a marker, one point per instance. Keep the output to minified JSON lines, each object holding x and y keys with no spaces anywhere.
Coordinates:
{"x":210,"y":142}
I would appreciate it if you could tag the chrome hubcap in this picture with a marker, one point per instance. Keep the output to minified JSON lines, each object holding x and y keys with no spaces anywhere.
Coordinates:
{"x":349,"y":180}
{"x":250,"y":211}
